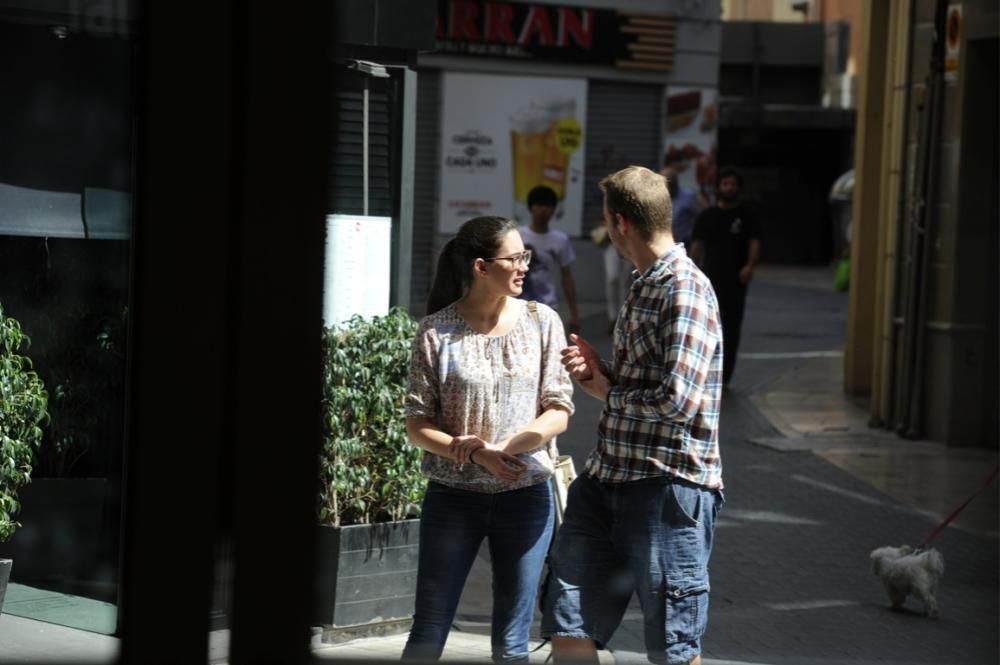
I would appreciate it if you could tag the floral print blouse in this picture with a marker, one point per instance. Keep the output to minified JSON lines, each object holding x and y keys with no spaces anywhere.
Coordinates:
{"x":491,"y":386}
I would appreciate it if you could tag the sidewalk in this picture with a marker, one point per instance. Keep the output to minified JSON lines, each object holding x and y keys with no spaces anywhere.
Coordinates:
{"x":809,"y":408}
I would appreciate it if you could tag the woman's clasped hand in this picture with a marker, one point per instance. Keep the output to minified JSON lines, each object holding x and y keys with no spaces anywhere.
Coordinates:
{"x":470,"y":448}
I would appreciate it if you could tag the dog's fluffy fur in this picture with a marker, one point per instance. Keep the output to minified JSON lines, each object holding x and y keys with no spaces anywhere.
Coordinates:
{"x":906,"y":571}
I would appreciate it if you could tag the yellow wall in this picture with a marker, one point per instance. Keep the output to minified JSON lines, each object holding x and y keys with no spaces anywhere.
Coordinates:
{"x":865,"y":241}
{"x":852,"y":12}
{"x":891,"y":184}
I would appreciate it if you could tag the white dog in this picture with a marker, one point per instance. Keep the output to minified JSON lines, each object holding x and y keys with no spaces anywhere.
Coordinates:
{"x":904,"y":571}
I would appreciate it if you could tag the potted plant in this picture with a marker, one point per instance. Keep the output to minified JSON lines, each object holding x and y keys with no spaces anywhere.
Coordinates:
{"x":370,"y":480}
{"x":23,"y":409}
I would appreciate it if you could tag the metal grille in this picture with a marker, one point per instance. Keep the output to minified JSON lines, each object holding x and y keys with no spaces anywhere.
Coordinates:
{"x":623,"y":128}
{"x":346,"y":192}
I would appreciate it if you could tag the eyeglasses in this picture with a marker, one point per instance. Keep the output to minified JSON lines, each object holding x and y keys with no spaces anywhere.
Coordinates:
{"x":524,"y":257}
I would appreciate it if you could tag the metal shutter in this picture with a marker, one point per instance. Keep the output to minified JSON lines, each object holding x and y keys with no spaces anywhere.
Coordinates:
{"x":623,"y":128}
{"x":346,"y":184}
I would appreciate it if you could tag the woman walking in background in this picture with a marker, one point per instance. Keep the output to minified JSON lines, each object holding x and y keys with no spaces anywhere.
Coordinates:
{"x":487,"y":392}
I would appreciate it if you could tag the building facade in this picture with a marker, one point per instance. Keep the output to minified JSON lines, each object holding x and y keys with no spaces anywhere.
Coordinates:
{"x":922,"y":335}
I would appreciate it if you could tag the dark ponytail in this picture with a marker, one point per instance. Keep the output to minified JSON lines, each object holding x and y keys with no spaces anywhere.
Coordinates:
{"x":447,"y":286}
{"x":477,"y":238}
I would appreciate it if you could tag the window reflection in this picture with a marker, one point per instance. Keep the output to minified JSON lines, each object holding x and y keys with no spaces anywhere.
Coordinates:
{"x":65,"y":223}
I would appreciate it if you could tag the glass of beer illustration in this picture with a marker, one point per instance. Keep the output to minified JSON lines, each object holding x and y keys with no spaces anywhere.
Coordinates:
{"x":538,"y":155}
{"x":555,"y":163}
{"x":527,"y":150}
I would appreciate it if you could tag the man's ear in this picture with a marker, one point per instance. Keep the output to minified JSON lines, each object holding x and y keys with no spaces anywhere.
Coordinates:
{"x":621,"y":224}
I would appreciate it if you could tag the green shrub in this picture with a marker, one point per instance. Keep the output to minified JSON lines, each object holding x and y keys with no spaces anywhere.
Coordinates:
{"x":23,"y":409}
{"x":369,"y":472}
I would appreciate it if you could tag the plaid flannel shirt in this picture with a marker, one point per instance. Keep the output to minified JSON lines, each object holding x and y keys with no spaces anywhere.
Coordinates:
{"x":662,"y":414}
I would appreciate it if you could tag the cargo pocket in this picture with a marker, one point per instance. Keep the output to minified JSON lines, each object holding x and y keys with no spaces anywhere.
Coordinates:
{"x":686,"y":612}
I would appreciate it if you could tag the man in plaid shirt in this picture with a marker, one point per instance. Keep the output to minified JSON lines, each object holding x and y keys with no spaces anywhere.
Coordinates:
{"x":642,"y":515}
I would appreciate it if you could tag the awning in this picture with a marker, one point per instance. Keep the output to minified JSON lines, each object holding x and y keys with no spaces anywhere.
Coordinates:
{"x":94,"y":214}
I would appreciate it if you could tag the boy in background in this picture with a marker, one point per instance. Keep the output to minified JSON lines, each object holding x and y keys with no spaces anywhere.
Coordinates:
{"x":552,"y":255}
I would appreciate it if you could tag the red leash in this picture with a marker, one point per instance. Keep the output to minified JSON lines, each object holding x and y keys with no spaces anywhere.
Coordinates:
{"x":939,"y":528}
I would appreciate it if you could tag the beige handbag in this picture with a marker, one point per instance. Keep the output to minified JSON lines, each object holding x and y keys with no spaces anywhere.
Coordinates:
{"x":564,"y":474}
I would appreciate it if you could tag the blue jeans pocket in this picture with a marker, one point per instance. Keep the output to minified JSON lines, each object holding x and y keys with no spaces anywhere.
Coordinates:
{"x":683,"y":505}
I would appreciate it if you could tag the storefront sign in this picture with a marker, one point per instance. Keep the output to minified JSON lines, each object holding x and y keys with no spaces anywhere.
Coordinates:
{"x":519,"y":30}
{"x":501,"y":136}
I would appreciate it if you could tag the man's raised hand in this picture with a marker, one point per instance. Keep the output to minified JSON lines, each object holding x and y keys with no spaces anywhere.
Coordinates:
{"x":581,"y":360}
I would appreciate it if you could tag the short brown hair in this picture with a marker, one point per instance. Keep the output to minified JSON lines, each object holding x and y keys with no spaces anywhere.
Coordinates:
{"x":640,"y":196}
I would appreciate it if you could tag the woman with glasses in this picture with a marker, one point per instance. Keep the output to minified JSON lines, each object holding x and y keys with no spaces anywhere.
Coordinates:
{"x":487,"y":393}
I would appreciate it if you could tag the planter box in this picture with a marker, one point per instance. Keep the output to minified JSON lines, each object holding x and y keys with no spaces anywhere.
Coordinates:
{"x":367,"y":578}
{"x":5,"y":565}
{"x":69,"y":538}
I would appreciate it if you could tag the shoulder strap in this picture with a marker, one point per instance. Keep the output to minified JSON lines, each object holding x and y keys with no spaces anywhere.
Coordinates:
{"x":533,"y":308}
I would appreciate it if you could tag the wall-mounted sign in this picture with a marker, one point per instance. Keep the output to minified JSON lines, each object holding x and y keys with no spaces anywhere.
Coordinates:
{"x":525,"y":31}
{"x":357,"y":272}
{"x":953,"y":42}
{"x":501,"y":136}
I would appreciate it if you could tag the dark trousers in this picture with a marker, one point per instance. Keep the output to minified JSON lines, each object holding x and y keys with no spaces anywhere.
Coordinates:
{"x":732,"y":300}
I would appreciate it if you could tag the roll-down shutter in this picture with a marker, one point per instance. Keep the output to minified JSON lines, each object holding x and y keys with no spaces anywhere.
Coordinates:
{"x":623,"y":128}
{"x":346,"y":174}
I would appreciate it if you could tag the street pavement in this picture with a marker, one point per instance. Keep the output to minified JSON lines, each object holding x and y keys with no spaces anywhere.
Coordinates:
{"x":810,"y":491}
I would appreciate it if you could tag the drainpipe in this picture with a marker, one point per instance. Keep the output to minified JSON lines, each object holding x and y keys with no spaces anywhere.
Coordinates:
{"x":894,"y":305}
{"x":370,"y":69}
{"x":925,"y":203}
{"x":756,"y":66}
{"x":364,"y":149}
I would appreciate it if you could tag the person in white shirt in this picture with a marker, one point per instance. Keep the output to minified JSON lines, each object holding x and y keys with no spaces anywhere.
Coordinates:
{"x":552,"y":255}
{"x":617,"y":275}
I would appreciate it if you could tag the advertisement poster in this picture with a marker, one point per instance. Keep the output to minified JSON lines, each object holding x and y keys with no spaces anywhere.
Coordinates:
{"x":691,"y":128}
{"x":501,"y":136}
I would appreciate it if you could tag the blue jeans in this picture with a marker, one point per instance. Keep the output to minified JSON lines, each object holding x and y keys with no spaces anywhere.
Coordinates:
{"x":653,"y":536}
{"x":453,"y":523}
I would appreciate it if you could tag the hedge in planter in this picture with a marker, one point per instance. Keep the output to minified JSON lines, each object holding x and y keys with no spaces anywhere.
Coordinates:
{"x":23,"y":409}
{"x":369,"y":471}
{"x":371,"y":485}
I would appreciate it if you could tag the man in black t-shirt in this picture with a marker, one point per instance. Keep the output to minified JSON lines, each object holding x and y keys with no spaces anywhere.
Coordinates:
{"x":725,"y":243}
